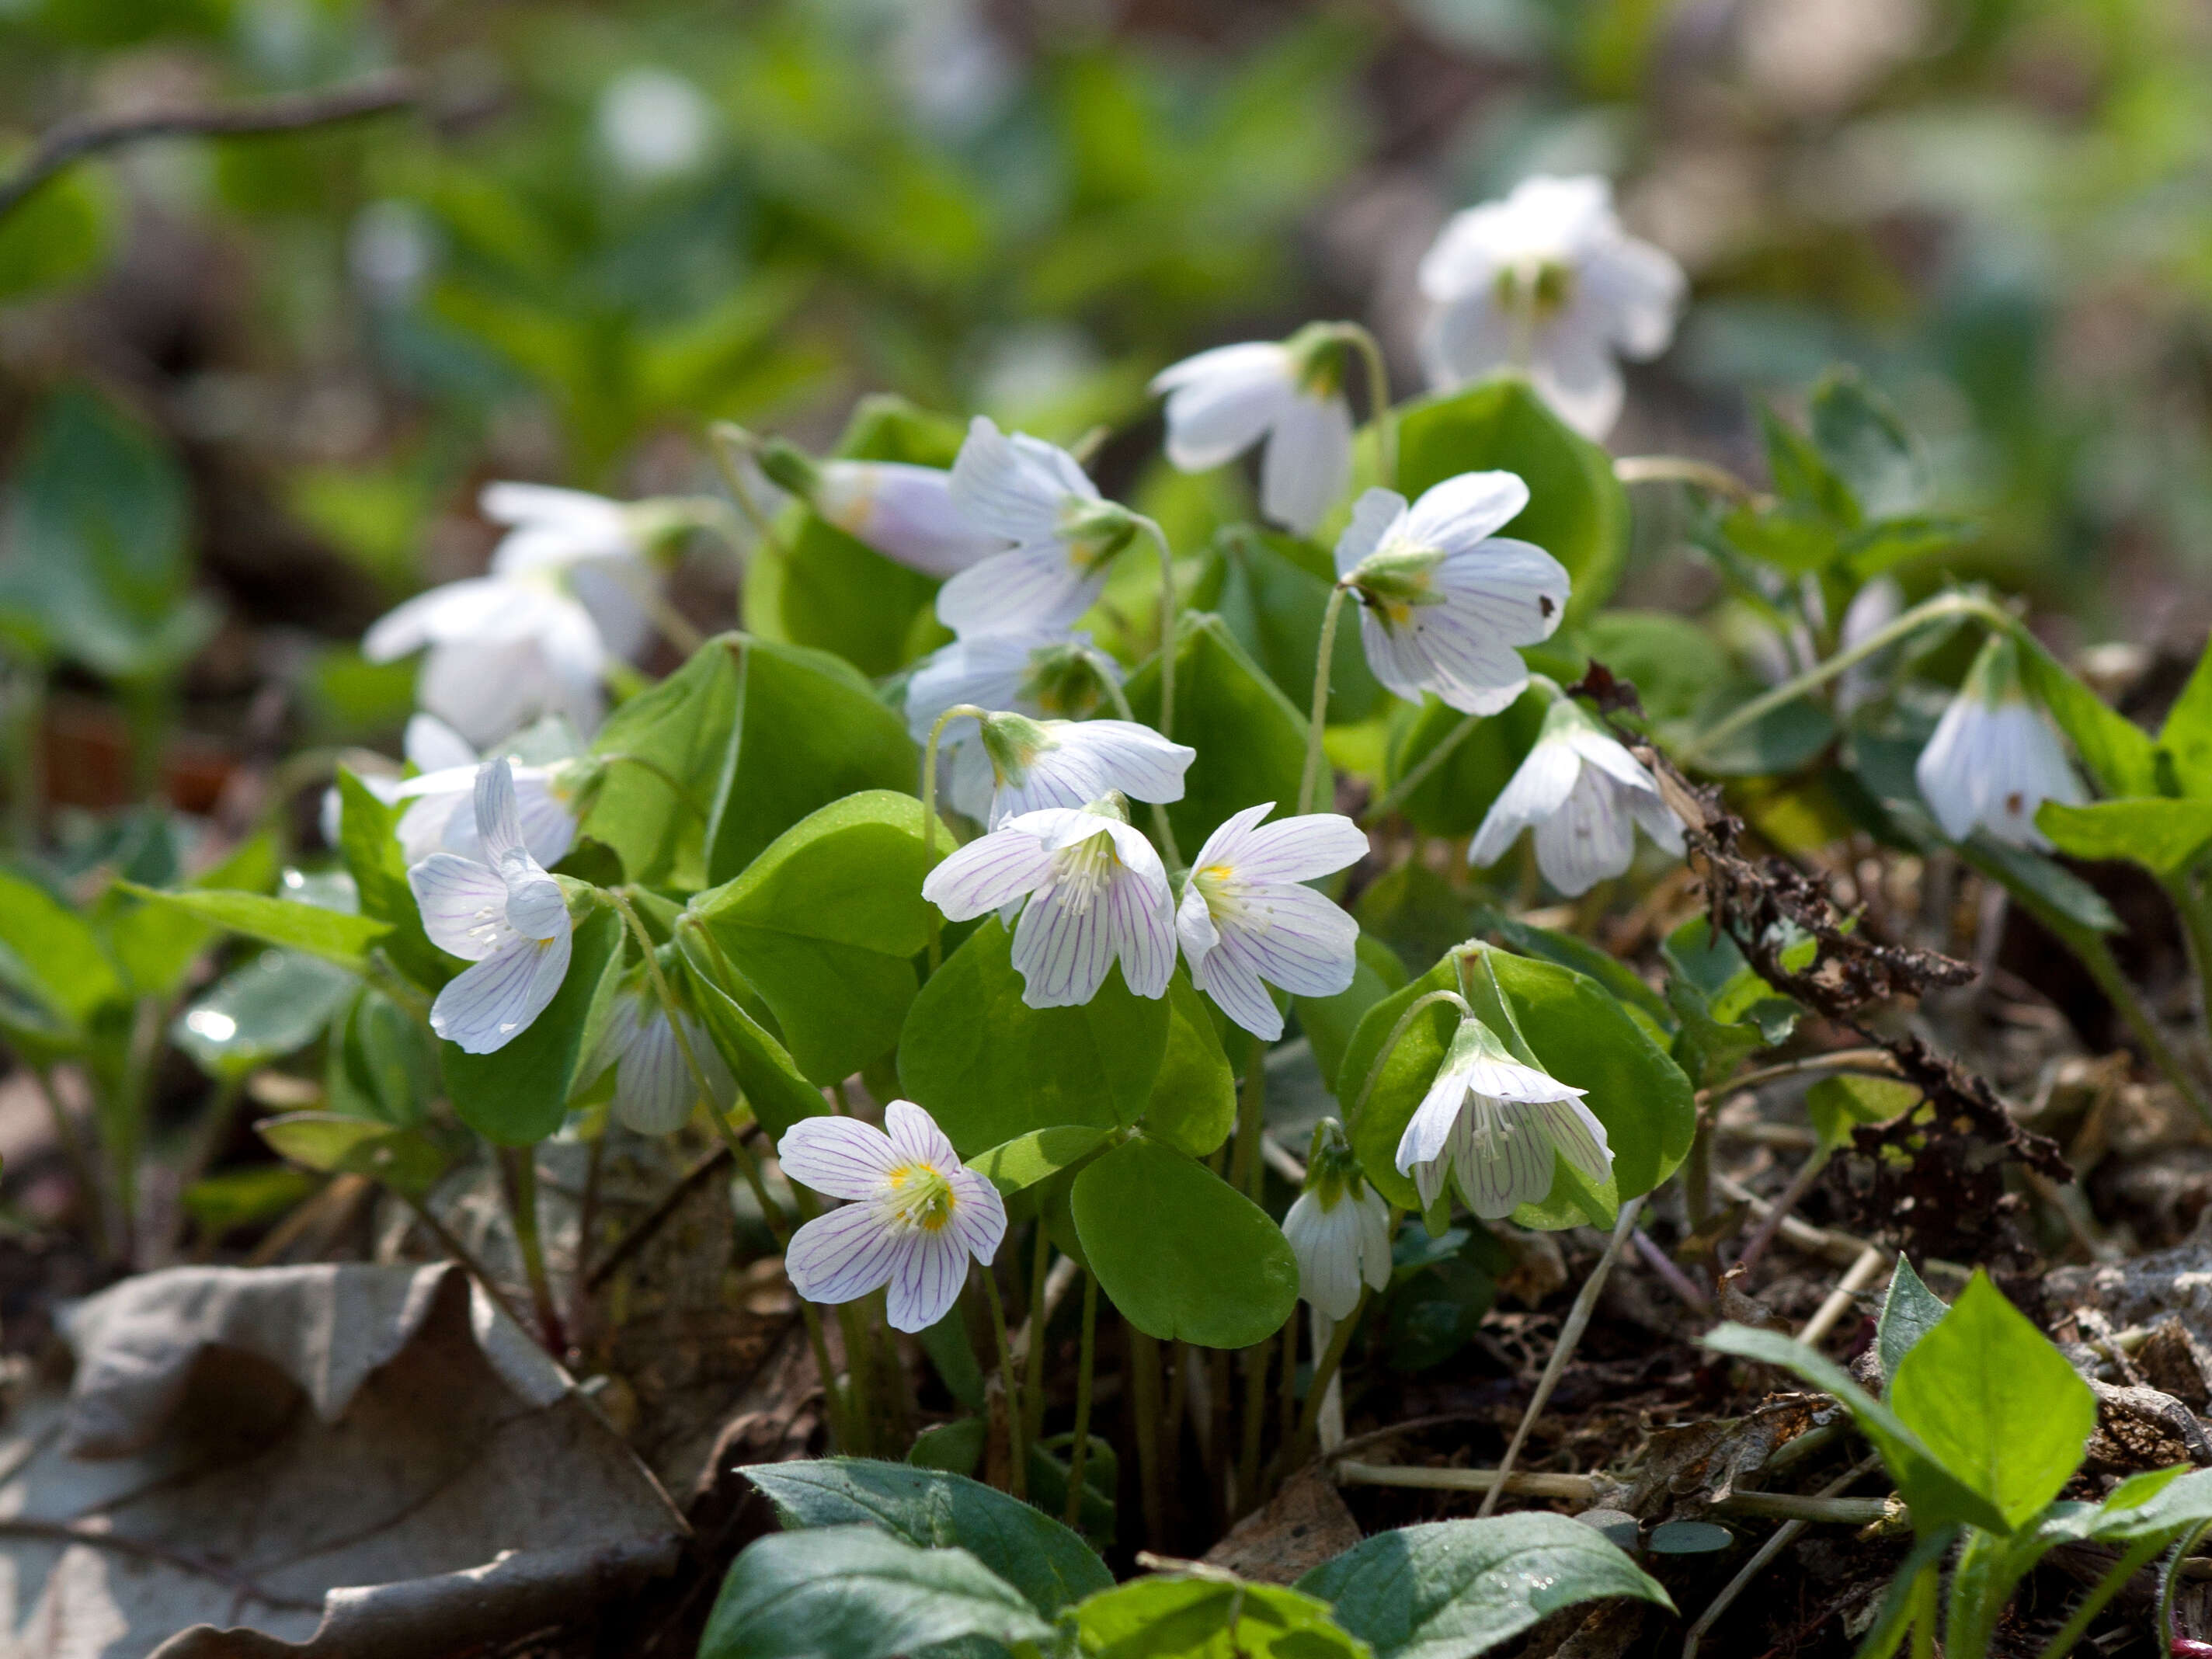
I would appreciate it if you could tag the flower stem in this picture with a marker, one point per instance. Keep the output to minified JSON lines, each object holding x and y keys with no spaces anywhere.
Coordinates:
{"x":1079,"y":1449}
{"x":1325,"y":1369}
{"x":1317,"y":719}
{"x":1256,"y":1359}
{"x":1142,"y":1360}
{"x":929,"y":816}
{"x":1169,"y":646}
{"x":1399,"y":792}
{"x":1578,"y":1318}
{"x":520,"y":1187}
{"x":726,"y":442}
{"x":1379,"y":400}
{"x":1018,"y":1475}
{"x":1033,"y":1344}
{"x":1120,"y":701}
{"x":1681,"y":468}
{"x":1419,"y":1005}
{"x":1942,"y":608}
{"x":1244,"y":1166}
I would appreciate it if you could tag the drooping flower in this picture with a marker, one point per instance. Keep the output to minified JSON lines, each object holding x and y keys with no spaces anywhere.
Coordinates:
{"x":504,"y":914}
{"x":905,"y":513}
{"x":654,"y":1088}
{"x":1489,"y":1126}
{"x":914,"y":1214}
{"x":1583,"y":794}
{"x":1338,"y":1227}
{"x":1048,"y":674}
{"x":1097,"y":894}
{"x":1289,"y":393}
{"x":1443,"y":600}
{"x":1065,"y":534}
{"x":1247,"y":922}
{"x":599,"y":551}
{"x":501,"y":652}
{"x":1547,"y":281}
{"x":1995,"y":757}
{"x":1040,"y":763}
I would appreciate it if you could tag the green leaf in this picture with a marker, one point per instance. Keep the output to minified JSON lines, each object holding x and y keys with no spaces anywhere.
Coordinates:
{"x":58,"y":233}
{"x":989,"y":1067}
{"x":1990,"y":1397}
{"x":2186,"y":737}
{"x":1329,"y":1022}
{"x":1194,"y":1098}
{"x":1937,"y":1495}
{"x":1778,"y":743}
{"x":517,"y":1095}
{"x":663,"y":751}
{"x":1452,"y":1588}
{"x":1837,"y":1105}
{"x":857,"y":1593}
{"x":331,"y":935}
{"x":1577,"y":512}
{"x":61,"y":961}
{"x":1271,"y":591}
{"x":368,"y":841}
{"x":382,"y":1063}
{"x":1908,"y":1311}
{"x":1015,"y":1165}
{"x":2120,"y":755}
{"x":406,"y":1160}
{"x":261,"y":1011}
{"x":1865,"y":445}
{"x":1670,"y":659}
{"x":2052,"y":894}
{"x":1251,"y":740}
{"x":1039,"y":1558}
{"x":762,"y":1067}
{"x":1580,"y":1033}
{"x":1894,"y":1616}
{"x":1210,"y":1615}
{"x":246,"y":1197}
{"x":823,"y":926}
{"x":1453,"y":799}
{"x":1184,"y":1256}
{"x":2156,"y":1502}
{"x":1571,"y":951}
{"x":2163,"y":836}
{"x":1801,"y":476}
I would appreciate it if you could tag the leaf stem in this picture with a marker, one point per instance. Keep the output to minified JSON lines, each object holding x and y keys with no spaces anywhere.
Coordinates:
{"x":1018,"y":1475}
{"x":520,"y":1187}
{"x":1141,"y":1358}
{"x":1317,"y":717}
{"x":1325,"y":1369}
{"x":1681,"y":469}
{"x":726,"y":441}
{"x":1400,"y":792}
{"x":1033,"y":1340}
{"x":1418,"y":1005}
{"x":1245,"y":1164}
{"x":1379,"y":400}
{"x":1079,"y":1449}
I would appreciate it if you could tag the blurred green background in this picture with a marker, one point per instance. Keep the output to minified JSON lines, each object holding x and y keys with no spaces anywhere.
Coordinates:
{"x":249,"y":386}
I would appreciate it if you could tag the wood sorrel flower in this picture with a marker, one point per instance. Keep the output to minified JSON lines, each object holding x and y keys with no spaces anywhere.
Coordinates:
{"x":905,"y":513}
{"x":1040,"y":763}
{"x":502,"y":651}
{"x":1288,"y":392}
{"x":1046,"y":673}
{"x":1338,"y":1227}
{"x":1548,"y":281}
{"x":1245,"y":918}
{"x":1096,"y":892}
{"x":504,"y":914}
{"x":914,"y":1213}
{"x":1491,"y":1125}
{"x":1443,"y":601}
{"x":1583,"y":794}
{"x":1995,"y":759}
{"x":1064,"y":534}
{"x":654,"y":1088}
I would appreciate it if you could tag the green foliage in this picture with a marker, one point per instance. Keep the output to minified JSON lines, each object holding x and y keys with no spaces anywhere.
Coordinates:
{"x":1454,"y":799}
{"x":407,"y":1160}
{"x":277,"y":1002}
{"x":518,"y":1095}
{"x":1205,"y":1616}
{"x":1271,"y":591}
{"x":2163,"y":836}
{"x":1908,"y":1311}
{"x":1837,"y":1105}
{"x":331,"y":935}
{"x":1250,"y":738}
{"x":58,"y":236}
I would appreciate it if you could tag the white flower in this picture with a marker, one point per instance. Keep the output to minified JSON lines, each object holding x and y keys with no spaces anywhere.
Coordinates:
{"x":600,"y":549}
{"x":1290,"y":393}
{"x":1064,"y":535}
{"x":502,"y":651}
{"x":907,"y":514}
{"x":1096,"y":893}
{"x":1339,"y":1228}
{"x":1995,"y":759}
{"x":1872,"y":609}
{"x":1443,"y":601}
{"x":1245,"y":919}
{"x":1583,"y":794}
{"x":655,"y":1090}
{"x":1491,"y":1125}
{"x":1043,"y":674}
{"x":1548,"y":281}
{"x":914,"y":1214}
{"x":505,"y":914}
{"x":1040,"y":763}
{"x":654,"y":124}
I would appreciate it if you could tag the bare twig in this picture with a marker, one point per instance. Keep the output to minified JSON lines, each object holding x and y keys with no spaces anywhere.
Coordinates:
{"x":1861,"y":1273}
{"x":82,"y":136}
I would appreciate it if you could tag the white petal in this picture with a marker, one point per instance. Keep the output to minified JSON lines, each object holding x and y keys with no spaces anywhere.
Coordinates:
{"x":1589,"y":839}
{"x":1195,"y":926}
{"x":1222,"y":401}
{"x":927,"y":1276}
{"x":653,"y":1089}
{"x":1064,"y":943}
{"x":1461,"y":513}
{"x":1640,"y":291}
{"x":1036,"y":587}
{"x":988,"y":873}
{"x":1308,"y":465}
{"x":1292,"y":937}
{"x":431,"y":745}
{"x":1574,"y":370}
{"x":916,"y":1138}
{"x":1327,"y":1245}
{"x":1538,"y":788}
{"x":1228,"y":977}
{"x":1501,"y":1171}
{"x":1089,"y":759}
{"x":1464,"y":339}
{"x":499,"y":822}
{"x":841,"y":1157}
{"x":843,"y":1255}
{"x":464,"y":905}
{"x":1579,"y":1136}
{"x":1374,"y":1239}
{"x":1516,"y":592}
{"x":1948,"y":767}
{"x":1429,"y":1128}
{"x":1462,"y":660}
{"x":1658,"y":820}
{"x":1376,"y":518}
{"x":454,"y":608}
{"x":1510,"y":1081}
{"x":491,"y":1004}
{"x":1301,"y":849}
{"x":979,"y":1215}
{"x":578,"y":514}
{"x":1014,"y":487}
{"x":905,"y":513}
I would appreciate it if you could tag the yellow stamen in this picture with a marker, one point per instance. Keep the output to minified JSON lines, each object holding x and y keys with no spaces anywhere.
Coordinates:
{"x":921,"y":1196}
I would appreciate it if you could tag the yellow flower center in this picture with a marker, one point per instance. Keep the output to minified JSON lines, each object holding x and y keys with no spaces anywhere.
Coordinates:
{"x":921,"y":1196}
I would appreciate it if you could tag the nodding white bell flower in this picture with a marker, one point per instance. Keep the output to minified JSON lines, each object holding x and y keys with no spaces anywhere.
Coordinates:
{"x":1289,"y":393}
{"x":504,"y":914}
{"x":914,"y":1214}
{"x":1338,"y":1227}
{"x":502,"y":651}
{"x":1096,"y":893}
{"x":1583,"y":794}
{"x":1442,"y":600}
{"x":1247,"y":922}
{"x":1048,"y":674}
{"x":1040,"y":763}
{"x":1065,"y":534}
{"x":905,"y":513}
{"x":601,"y":549}
{"x":1489,"y":1125}
{"x":1995,"y":757}
{"x":1548,"y":281}
{"x":655,"y":1089}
